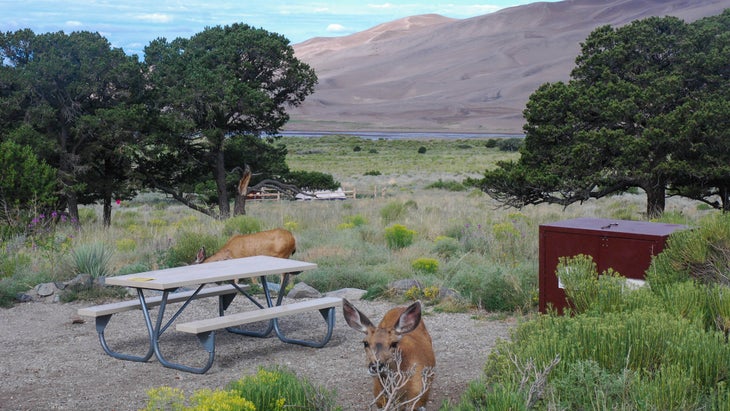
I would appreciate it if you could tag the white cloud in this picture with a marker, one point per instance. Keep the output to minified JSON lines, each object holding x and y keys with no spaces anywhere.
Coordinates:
{"x":74,"y":23}
{"x":380,"y":6}
{"x":336,"y":28}
{"x":155,"y":17}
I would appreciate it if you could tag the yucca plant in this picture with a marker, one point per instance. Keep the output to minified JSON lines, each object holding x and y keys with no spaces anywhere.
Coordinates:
{"x":92,"y":259}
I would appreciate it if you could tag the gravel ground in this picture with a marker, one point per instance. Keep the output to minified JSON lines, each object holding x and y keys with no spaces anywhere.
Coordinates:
{"x":51,"y":361}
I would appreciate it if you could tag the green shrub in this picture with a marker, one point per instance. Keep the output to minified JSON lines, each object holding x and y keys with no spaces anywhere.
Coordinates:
{"x":278,"y":389}
{"x":87,"y":216}
{"x":446,"y":247}
{"x":474,"y":238}
{"x":699,"y":254}
{"x":353,"y":221}
{"x":372,"y":173}
{"x":186,"y":247}
{"x":241,"y":224}
{"x":510,"y":144}
{"x":643,"y":341}
{"x":422,"y":150}
{"x":274,"y":389}
{"x":126,"y":244}
{"x":479,"y":396}
{"x":496,"y":288}
{"x":92,"y":259}
{"x":585,"y":289}
{"x":425,"y":265}
{"x":393,"y":211}
{"x":586,"y":382}
{"x":312,"y":180}
{"x":329,"y":277}
{"x":12,"y":263}
{"x":447,"y":185}
{"x":399,"y":236}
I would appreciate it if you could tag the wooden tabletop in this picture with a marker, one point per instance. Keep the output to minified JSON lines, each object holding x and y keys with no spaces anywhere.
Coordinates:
{"x":172,"y":278}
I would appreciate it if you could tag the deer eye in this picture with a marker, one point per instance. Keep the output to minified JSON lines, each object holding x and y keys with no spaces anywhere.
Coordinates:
{"x":394,"y":345}
{"x":366,"y":344}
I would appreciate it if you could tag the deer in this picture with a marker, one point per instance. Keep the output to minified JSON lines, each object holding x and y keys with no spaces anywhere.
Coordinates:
{"x":274,"y":243}
{"x":399,"y":354}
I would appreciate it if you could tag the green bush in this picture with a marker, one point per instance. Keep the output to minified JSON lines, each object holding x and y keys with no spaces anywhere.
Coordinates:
{"x":372,"y":173}
{"x":271,"y":389}
{"x":447,"y":185}
{"x":26,"y":183}
{"x":425,"y":265}
{"x":353,"y":221}
{"x":12,"y":263}
{"x":394,"y":210}
{"x":92,"y":259}
{"x":241,"y":224}
{"x":510,"y":144}
{"x":670,"y":360}
{"x":446,"y":247}
{"x":399,"y":236}
{"x":496,"y":288}
{"x":698,"y":254}
{"x":280,"y":389}
{"x":312,"y":180}
{"x":422,"y":150}
{"x":186,"y":247}
{"x":333,"y":276}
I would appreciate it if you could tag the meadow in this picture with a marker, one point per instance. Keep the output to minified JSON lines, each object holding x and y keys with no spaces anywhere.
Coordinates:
{"x":413,"y":219}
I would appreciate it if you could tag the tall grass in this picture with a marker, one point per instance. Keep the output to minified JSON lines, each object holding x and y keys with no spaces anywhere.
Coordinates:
{"x":662,"y":347}
{"x":487,"y":253}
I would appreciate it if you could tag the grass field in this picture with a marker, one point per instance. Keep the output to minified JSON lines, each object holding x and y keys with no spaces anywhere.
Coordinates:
{"x":477,"y":245}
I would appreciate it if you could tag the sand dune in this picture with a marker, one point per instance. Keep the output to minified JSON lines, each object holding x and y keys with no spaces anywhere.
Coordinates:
{"x":432,"y":73}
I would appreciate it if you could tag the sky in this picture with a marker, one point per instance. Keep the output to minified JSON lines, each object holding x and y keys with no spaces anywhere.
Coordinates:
{"x":133,"y":24}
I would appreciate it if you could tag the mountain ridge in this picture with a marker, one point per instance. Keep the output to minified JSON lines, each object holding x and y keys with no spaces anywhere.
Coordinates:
{"x":438,"y":74}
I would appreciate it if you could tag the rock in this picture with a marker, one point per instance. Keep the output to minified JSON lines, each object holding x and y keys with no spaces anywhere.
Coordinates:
{"x":351,"y":294}
{"x":448,"y":293}
{"x":404,"y":285}
{"x":23,"y":298}
{"x":302,"y":290}
{"x":46,"y":289}
{"x":80,"y":282}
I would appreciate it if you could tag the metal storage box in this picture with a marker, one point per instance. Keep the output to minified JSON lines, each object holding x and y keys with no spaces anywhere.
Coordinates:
{"x":625,"y":246}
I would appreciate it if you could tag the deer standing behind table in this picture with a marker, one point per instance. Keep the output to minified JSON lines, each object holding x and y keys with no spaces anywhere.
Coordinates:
{"x":400,"y":355}
{"x":274,"y":243}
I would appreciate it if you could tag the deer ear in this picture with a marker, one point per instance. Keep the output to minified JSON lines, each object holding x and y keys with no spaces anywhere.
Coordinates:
{"x":355,"y":319}
{"x":201,"y":256}
{"x":410,"y":319}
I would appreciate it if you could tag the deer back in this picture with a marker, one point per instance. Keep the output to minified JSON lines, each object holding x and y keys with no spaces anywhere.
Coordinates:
{"x":275,"y":243}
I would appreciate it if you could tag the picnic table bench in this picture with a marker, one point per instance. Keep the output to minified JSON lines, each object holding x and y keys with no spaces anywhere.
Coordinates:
{"x":202,"y":276}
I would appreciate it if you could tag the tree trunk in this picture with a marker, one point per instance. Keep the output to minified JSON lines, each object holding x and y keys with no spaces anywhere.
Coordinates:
{"x":67,"y":177}
{"x":224,"y":205}
{"x":107,"y":218}
{"x":239,"y":207}
{"x":655,"y":200}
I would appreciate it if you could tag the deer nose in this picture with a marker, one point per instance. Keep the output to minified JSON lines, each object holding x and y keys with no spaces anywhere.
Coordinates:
{"x":376,"y":368}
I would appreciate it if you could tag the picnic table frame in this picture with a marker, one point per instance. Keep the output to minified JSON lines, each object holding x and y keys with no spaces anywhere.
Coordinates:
{"x":198,"y":276}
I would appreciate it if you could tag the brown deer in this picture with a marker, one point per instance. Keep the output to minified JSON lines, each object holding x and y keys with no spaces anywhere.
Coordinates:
{"x":399,"y":354}
{"x":274,"y":243}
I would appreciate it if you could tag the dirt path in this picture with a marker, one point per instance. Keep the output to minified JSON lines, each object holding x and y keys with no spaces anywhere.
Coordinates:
{"x":49,"y":362}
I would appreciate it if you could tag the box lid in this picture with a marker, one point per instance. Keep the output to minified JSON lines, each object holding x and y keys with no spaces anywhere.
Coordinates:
{"x":608,"y":226}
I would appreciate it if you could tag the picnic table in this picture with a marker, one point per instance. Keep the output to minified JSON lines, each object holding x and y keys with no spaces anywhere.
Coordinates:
{"x":198,"y":281}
